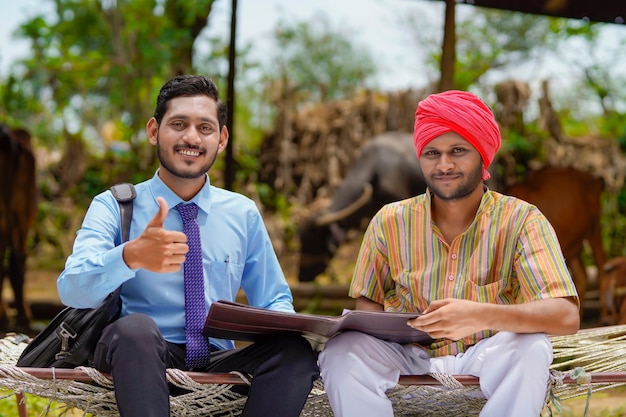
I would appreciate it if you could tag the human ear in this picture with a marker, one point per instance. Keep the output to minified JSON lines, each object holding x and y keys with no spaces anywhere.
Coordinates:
{"x":152,"y":130}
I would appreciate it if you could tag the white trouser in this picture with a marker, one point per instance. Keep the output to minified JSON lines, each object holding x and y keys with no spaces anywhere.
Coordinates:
{"x":513,"y":369}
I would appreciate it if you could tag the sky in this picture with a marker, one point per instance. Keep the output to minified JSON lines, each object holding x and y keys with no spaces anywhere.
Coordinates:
{"x":374,"y":24}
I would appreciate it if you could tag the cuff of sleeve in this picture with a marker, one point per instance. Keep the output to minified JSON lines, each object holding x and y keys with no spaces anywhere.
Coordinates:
{"x":118,"y":267}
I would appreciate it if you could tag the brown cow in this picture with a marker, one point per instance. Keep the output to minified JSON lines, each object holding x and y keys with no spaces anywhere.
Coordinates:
{"x":615,"y":277}
{"x":570,"y":199}
{"x":18,"y":204}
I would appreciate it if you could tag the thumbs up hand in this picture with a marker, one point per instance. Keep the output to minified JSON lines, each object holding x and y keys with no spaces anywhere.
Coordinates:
{"x":157,"y":249}
{"x":159,"y":218}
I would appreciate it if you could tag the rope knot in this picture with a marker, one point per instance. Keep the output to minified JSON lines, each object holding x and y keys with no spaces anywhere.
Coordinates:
{"x":580,"y":376}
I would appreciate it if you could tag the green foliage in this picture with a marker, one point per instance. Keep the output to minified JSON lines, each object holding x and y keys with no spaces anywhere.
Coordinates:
{"x":491,"y":40}
{"x":96,"y":61}
{"x":36,"y":406}
{"x":620,"y":130}
{"x":524,"y":148}
{"x":15,"y":106}
{"x":317,"y":61}
{"x":597,"y":97}
{"x":613,"y":221}
{"x":311,"y":63}
{"x":90,"y":83}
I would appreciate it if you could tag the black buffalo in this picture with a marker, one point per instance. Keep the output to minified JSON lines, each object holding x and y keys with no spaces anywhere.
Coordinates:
{"x":386,"y":170}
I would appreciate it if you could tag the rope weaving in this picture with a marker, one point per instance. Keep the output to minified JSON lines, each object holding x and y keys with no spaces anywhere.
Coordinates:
{"x":594,"y":350}
{"x":588,"y":361}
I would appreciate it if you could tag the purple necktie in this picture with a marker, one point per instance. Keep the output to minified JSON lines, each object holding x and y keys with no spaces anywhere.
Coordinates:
{"x":195,"y":306}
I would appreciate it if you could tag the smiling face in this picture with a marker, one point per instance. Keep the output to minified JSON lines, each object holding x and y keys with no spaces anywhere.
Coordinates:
{"x":188,"y":138}
{"x":452,"y":167}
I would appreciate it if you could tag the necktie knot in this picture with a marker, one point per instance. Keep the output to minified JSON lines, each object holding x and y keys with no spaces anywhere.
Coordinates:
{"x":188,"y":212}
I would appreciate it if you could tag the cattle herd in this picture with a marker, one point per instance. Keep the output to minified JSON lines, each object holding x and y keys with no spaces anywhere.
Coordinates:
{"x":386,"y":170}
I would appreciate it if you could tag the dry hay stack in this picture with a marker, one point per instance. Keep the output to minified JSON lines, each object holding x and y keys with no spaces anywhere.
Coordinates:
{"x":309,"y":151}
{"x":306,"y":158}
{"x":307,"y":154}
{"x":599,"y":156}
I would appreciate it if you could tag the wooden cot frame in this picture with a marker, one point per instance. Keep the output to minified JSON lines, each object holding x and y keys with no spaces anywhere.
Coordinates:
{"x":234,"y":379}
{"x":597,"y":364}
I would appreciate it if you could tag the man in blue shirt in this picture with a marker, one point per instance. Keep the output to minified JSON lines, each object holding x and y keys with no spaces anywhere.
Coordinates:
{"x":188,"y":132}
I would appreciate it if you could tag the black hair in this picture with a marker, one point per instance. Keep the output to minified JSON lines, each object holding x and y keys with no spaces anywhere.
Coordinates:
{"x":189,"y":85}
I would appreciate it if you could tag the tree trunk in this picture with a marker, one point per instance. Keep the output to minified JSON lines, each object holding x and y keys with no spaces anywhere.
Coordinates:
{"x":448,"y":50}
{"x":229,"y":170}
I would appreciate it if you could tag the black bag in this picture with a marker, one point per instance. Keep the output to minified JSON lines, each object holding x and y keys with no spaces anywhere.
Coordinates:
{"x":70,"y":339}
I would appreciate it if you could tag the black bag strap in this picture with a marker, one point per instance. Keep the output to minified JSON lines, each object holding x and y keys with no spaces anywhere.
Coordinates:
{"x":125,"y":193}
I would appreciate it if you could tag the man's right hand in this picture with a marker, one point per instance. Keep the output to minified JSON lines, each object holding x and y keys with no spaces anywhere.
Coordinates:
{"x":157,"y":249}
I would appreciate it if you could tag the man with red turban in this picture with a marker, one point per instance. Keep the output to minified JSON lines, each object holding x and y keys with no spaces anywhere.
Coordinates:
{"x":484,"y":271}
{"x":460,"y":112}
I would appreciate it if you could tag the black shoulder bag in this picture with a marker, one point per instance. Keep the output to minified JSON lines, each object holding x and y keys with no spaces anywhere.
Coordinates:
{"x":71,"y":337}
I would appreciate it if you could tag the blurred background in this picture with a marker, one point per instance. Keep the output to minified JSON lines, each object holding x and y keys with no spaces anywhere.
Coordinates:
{"x":308,"y":84}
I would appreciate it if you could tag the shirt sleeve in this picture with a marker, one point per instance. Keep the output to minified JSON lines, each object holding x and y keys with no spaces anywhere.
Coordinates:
{"x":96,"y":266}
{"x":371,"y":273}
{"x":263,"y":280}
{"x":540,"y":266}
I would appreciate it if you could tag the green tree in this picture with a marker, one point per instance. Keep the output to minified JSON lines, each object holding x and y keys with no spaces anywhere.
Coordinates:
{"x":98,"y":64}
{"x":488,"y":40}
{"x":317,"y":62}
{"x":87,"y":87}
{"x":601,"y":82}
{"x":307,"y":63}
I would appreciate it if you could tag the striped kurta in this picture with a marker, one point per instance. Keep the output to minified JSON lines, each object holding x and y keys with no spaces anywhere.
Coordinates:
{"x":509,"y":255}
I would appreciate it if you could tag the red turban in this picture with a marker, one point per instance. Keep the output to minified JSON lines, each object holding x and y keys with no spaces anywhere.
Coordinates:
{"x":460,"y":112}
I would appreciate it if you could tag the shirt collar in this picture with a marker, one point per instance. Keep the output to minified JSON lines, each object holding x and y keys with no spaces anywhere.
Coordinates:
{"x":202,"y":199}
{"x":486,"y":202}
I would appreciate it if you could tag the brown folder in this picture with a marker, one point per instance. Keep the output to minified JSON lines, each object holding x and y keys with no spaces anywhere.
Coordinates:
{"x":229,"y":320}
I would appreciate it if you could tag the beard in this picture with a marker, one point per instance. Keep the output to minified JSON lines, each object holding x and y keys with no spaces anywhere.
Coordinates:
{"x":465,"y":188}
{"x":189,"y":173}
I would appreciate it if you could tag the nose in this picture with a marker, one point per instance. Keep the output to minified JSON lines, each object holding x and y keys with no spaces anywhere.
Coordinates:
{"x":445,"y":163}
{"x":192,"y":135}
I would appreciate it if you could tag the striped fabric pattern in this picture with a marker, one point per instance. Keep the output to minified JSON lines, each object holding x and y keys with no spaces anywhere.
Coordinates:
{"x":509,"y":255}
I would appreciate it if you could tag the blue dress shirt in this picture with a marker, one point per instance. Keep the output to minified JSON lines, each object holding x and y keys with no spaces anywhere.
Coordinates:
{"x":237,"y":253}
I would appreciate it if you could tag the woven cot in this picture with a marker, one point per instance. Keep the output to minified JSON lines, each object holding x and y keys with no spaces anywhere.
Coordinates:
{"x":587,"y":362}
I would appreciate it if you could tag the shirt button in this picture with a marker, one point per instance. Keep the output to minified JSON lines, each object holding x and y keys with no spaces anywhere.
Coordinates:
{"x":451,"y":277}
{"x":454,"y":256}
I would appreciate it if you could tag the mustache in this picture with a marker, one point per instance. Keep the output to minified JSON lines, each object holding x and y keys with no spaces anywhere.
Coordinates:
{"x":450,"y":173}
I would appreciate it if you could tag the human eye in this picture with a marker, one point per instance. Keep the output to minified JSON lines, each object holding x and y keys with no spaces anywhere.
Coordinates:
{"x":177,"y":124}
{"x":206,"y":129}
